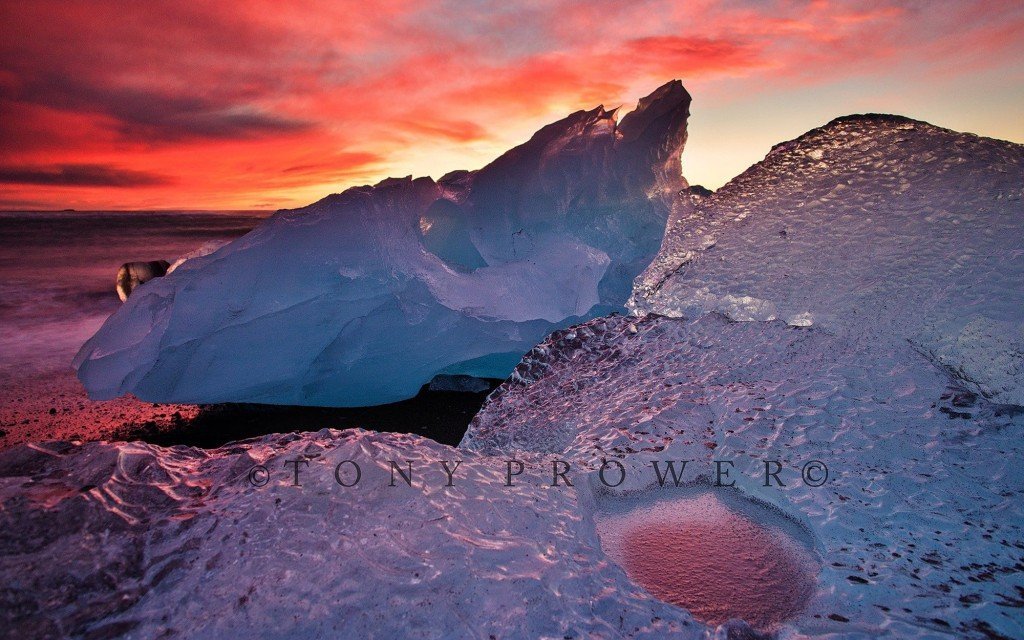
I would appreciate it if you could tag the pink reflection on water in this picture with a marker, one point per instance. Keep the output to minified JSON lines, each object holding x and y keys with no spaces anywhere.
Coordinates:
{"x":713,"y":560}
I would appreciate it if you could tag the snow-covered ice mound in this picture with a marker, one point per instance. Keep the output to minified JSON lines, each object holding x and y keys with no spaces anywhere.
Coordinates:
{"x":919,"y":525}
{"x":137,"y":541}
{"x":363,"y":297}
{"x":876,"y":227}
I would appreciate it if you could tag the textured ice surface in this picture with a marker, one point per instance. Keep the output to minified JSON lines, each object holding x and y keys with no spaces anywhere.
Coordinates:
{"x":137,"y":541}
{"x":880,"y":228}
{"x":841,"y":301}
{"x":366,"y":295}
{"x":919,"y":527}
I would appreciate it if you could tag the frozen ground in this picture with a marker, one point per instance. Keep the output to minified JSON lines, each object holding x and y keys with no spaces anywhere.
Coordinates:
{"x":364,"y":296}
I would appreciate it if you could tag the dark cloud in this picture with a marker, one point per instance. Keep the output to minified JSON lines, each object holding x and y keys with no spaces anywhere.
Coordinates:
{"x":152,"y":116}
{"x":225,"y":123}
{"x":155,"y":116}
{"x":150,"y":73}
{"x":80,"y":175}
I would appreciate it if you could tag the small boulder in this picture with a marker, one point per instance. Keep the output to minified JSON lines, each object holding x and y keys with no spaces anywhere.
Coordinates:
{"x":132,"y":274}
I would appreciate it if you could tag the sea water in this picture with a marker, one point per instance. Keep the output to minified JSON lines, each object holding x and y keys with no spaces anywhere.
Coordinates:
{"x":57,"y":272}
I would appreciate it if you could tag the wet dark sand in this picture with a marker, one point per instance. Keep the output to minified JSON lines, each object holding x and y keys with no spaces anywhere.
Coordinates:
{"x":43,"y":407}
{"x":439,"y":415}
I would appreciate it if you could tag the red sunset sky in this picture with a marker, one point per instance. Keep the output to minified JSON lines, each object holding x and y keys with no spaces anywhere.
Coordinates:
{"x":270,"y":103}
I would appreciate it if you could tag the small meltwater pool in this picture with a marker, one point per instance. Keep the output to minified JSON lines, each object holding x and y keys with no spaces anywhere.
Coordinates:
{"x":718,"y":558}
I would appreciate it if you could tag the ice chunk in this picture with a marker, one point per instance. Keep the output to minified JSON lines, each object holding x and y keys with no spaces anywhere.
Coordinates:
{"x":365,"y":296}
{"x":880,"y":239}
{"x":204,"y":250}
{"x":100,"y":539}
{"x":800,"y":320}
{"x":919,"y":474}
{"x":877,"y":227}
{"x":745,"y":308}
{"x":988,"y":353}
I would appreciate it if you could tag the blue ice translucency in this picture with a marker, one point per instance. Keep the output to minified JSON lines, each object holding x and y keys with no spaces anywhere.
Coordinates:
{"x":366,"y":295}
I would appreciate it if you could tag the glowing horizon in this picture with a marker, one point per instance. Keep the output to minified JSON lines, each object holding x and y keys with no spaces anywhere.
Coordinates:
{"x":165,"y":106}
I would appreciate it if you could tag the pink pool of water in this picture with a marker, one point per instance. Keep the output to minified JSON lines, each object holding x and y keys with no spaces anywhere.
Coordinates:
{"x":713,"y":559}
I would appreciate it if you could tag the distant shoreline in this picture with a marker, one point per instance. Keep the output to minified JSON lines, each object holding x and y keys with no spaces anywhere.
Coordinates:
{"x":254,"y":212}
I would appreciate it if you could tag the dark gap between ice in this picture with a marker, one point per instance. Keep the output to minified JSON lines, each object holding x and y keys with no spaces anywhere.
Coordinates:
{"x":442,"y":416}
